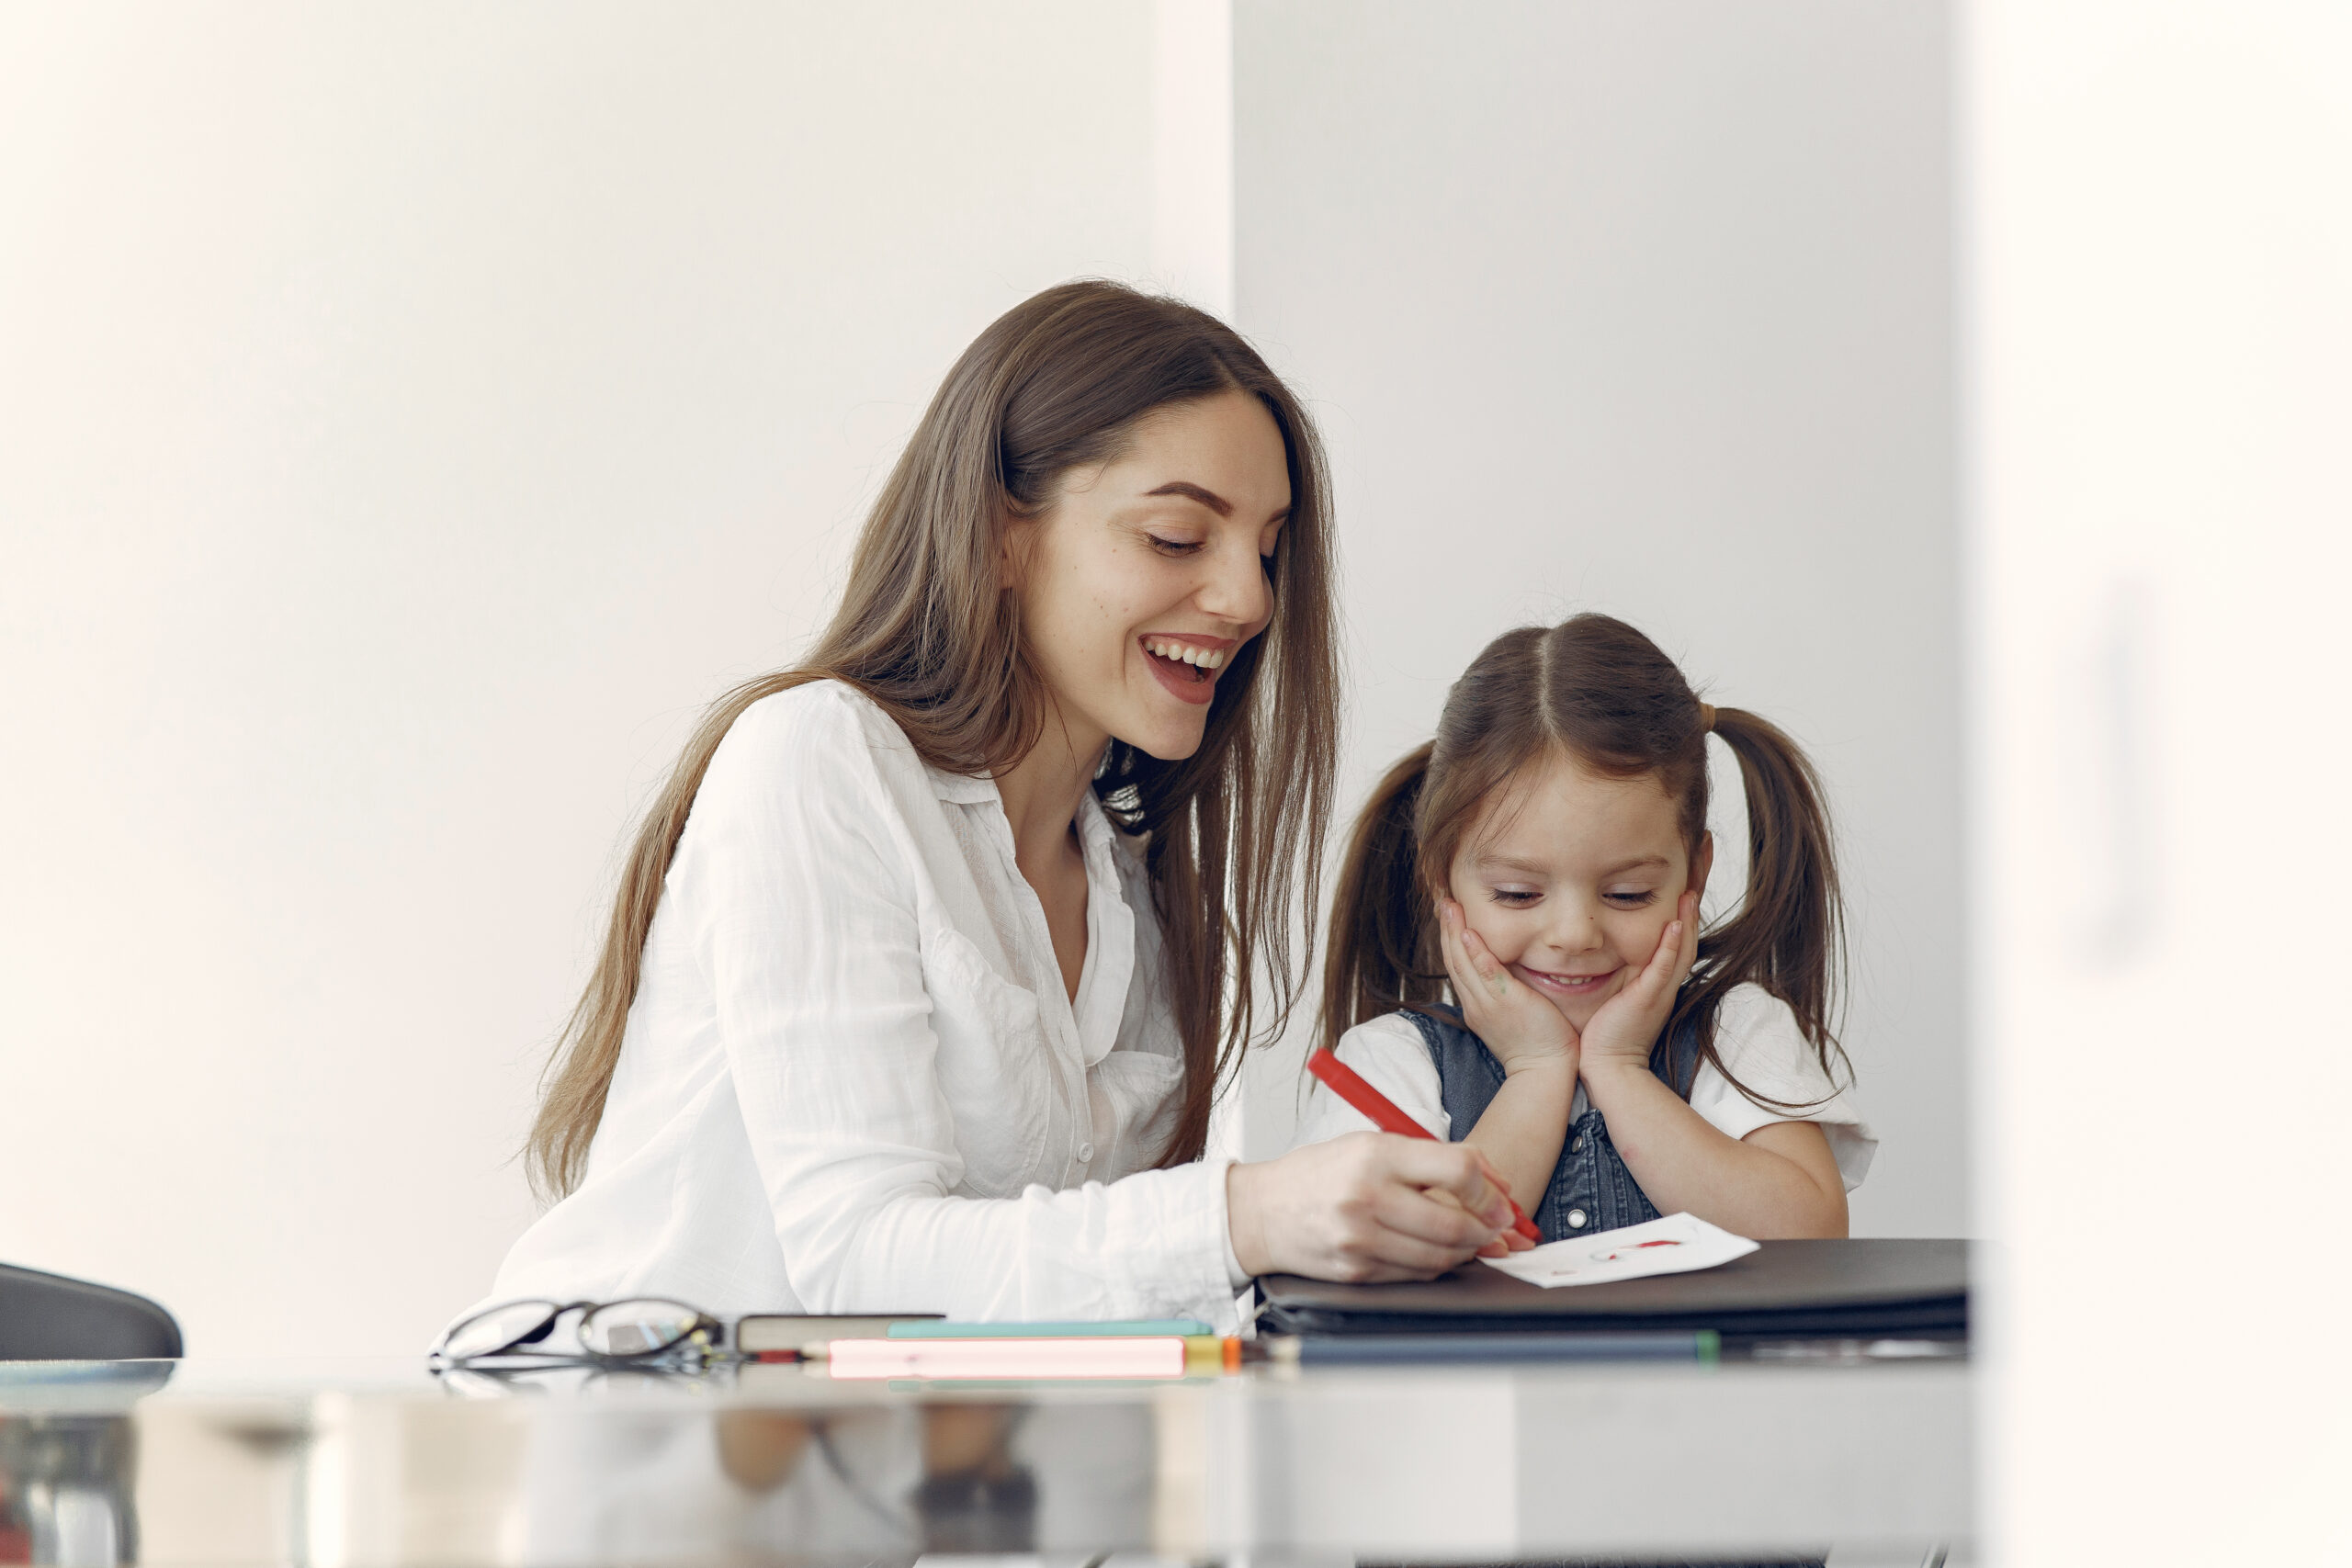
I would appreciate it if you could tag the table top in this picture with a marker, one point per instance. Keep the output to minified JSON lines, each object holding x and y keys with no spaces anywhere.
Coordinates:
{"x":1827,"y":1448}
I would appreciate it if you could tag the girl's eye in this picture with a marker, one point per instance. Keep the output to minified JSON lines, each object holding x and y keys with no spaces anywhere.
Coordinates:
{"x":1174,"y":547}
{"x":1631,"y":900}
{"x":1514,"y":897}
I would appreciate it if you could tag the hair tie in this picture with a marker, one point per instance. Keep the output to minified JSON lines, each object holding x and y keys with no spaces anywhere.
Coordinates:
{"x":1706,"y":718}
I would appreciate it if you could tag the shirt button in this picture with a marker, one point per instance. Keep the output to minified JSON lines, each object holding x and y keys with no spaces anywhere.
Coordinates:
{"x":1576,"y":1144}
{"x":1085,"y":1150}
{"x":1575,"y":1219}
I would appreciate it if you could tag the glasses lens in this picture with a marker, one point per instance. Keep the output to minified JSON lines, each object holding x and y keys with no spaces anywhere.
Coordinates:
{"x":637,"y":1327}
{"x":500,"y":1329}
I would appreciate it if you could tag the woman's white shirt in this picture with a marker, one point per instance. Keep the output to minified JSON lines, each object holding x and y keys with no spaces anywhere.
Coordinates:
{"x":1756,"y":1035}
{"x":853,"y":1079}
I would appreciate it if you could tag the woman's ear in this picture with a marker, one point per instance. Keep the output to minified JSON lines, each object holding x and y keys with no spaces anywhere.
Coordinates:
{"x":1702,"y":863}
{"x":1008,"y":554}
{"x":1016,"y":539}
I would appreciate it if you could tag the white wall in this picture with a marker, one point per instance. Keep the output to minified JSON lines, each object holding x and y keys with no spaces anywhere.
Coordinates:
{"x":411,"y":415}
{"x":2159,"y":241}
{"x":1645,"y":309}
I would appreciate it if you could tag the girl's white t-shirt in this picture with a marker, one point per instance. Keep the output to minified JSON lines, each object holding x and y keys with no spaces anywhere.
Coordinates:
{"x":853,"y":1079}
{"x":1756,"y":1035}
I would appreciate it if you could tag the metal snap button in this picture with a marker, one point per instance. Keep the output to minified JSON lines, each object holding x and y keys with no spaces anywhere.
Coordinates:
{"x":1085,"y":1150}
{"x":1575,"y":1219}
{"x":1576,"y":1144}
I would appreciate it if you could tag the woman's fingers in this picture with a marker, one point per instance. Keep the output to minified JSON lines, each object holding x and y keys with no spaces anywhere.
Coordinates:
{"x":1434,"y":1216}
{"x":1511,"y":1238}
{"x":1407,"y":1250}
{"x":1413,"y":1233}
{"x":1458,"y":1171}
{"x":1369,"y":1205}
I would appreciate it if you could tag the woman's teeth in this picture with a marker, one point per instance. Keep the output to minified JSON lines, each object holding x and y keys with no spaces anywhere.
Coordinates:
{"x":1184,"y":653}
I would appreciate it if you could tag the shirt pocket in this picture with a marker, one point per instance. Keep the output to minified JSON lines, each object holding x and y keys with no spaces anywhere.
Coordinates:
{"x":992,"y":1064}
{"x":1134,"y":1097}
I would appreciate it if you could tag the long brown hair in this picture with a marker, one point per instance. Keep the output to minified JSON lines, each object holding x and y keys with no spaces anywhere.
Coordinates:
{"x":1234,"y":831}
{"x":1602,"y":694}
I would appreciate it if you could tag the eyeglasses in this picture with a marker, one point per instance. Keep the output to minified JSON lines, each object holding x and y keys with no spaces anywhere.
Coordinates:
{"x":612,"y":1334}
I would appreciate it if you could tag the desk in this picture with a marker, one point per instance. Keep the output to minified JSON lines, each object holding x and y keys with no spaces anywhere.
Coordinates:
{"x":376,"y":1463}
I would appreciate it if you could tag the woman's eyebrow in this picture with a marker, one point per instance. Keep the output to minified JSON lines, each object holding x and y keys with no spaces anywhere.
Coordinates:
{"x":1644,"y":862}
{"x":1207,"y":498}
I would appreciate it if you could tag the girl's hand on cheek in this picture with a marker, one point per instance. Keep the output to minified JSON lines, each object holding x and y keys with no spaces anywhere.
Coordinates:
{"x":1621,"y":1033}
{"x":1522,"y":1029}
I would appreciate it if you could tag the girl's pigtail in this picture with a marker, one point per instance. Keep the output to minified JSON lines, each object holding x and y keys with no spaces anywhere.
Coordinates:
{"x":1789,"y":935}
{"x":1383,"y":952}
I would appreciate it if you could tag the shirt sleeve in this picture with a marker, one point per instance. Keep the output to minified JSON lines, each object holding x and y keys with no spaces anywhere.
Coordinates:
{"x":808,"y":928}
{"x":1759,"y":1041}
{"x":1389,"y":1054}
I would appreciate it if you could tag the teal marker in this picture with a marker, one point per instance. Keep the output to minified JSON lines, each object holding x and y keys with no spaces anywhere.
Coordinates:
{"x":933,"y":1328}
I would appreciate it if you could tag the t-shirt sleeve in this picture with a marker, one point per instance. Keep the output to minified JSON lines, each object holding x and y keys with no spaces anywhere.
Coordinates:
{"x":1388,"y":1054}
{"x":1758,"y":1040}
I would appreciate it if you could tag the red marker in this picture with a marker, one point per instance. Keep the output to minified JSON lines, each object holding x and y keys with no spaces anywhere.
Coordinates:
{"x":1347,"y":1084}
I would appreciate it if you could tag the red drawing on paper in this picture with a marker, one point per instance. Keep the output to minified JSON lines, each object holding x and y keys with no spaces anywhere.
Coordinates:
{"x":1613,"y":1254}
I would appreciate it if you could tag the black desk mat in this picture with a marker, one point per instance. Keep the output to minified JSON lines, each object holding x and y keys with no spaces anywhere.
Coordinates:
{"x":1871,"y":1286}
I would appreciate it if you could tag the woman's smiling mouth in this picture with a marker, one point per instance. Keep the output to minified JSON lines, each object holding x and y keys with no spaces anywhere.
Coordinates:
{"x":1187,"y":666}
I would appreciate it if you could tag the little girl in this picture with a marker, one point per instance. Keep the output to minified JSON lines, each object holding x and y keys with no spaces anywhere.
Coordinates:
{"x":1541,"y":862}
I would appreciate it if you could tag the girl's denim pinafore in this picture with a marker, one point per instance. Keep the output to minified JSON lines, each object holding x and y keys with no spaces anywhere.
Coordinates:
{"x":1590,"y":1188}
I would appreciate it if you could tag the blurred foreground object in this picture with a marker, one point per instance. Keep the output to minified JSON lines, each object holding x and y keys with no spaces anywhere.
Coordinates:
{"x":2157,"y":240}
{"x":48,"y":1317}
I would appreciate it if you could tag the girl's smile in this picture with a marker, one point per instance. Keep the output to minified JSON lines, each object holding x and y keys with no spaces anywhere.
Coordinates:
{"x":1584,"y":987}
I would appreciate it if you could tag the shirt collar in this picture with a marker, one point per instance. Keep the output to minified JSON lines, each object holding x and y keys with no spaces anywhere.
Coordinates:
{"x":1098,"y":839}
{"x":961,"y":788}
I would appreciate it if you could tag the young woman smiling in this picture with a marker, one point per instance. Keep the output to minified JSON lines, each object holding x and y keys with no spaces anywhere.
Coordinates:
{"x":927,"y":961}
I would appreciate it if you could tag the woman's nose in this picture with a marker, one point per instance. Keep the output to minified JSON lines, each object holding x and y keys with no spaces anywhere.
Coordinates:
{"x":1237,"y":589}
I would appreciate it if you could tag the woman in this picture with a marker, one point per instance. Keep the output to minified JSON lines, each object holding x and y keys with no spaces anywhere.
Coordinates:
{"x":927,"y":961}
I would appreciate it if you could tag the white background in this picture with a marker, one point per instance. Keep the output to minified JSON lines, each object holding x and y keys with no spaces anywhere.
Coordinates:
{"x":2160,"y":416}
{"x":411,"y":416}
{"x":1648,"y":310}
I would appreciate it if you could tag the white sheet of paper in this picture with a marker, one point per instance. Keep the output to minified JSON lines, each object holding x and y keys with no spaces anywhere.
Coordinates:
{"x":1678,"y":1244}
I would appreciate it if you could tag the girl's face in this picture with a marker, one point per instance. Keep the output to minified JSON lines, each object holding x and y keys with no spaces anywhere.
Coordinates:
{"x":1147,"y":573}
{"x":1570,"y":878}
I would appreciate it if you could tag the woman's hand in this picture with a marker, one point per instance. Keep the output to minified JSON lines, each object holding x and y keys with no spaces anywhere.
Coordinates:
{"x":1522,"y":1029}
{"x":1369,"y":1206}
{"x":1622,"y":1031}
